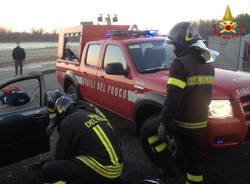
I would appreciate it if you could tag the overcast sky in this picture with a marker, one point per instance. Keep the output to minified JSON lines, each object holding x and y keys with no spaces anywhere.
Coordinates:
{"x":22,"y":15}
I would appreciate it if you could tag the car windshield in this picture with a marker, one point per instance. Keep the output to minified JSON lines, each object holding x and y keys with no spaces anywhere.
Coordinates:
{"x":151,"y":56}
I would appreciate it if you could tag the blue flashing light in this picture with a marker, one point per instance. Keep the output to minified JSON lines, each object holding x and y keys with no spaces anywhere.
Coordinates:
{"x":152,"y":32}
{"x":107,"y":34}
{"x":219,"y":140}
{"x":147,"y":33}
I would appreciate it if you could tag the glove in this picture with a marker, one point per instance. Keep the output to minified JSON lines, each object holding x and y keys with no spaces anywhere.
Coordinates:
{"x":169,"y":126}
{"x":162,"y":132}
{"x":51,"y":127}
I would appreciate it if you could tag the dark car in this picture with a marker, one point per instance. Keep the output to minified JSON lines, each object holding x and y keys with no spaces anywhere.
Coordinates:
{"x":23,"y":127}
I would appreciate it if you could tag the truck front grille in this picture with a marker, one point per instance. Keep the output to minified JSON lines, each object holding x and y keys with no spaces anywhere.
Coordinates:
{"x":248,"y":134}
{"x":247,"y":117}
{"x":245,"y":98}
{"x":245,"y":103}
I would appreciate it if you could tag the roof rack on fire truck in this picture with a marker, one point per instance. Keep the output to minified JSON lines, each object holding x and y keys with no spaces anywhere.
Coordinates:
{"x":131,"y":33}
{"x":72,"y":34}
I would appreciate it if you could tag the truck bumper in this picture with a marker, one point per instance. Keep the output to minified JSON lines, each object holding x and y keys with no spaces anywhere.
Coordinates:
{"x":225,"y":133}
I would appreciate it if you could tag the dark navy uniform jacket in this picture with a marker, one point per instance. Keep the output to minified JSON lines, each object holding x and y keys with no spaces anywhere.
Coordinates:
{"x":189,"y":90}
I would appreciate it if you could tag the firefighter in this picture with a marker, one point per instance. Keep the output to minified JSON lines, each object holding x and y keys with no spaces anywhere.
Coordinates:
{"x":189,"y":91}
{"x":87,"y":150}
{"x":52,"y":96}
{"x":69,"y":54}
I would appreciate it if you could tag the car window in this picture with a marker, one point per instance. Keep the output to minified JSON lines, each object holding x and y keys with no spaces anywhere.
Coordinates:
{"x":150,"y":55}
{"x":72,"y":47}
{"x":20,"y":95}
{"x":114,"y":54}
{"x":93,"y":54}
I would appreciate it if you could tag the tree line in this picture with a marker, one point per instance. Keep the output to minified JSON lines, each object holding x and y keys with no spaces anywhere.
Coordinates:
{"x":36,"y":35}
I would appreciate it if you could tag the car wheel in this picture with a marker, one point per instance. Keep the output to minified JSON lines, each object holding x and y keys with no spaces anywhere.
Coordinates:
{"x":172,"y":151}
{"x":72,"y":91}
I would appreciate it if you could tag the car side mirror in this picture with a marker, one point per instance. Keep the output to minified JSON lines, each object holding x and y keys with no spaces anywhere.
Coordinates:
{"x":115,"y":69}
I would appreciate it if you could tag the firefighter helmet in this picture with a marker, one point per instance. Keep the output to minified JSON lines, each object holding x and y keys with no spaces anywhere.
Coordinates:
{"x":52,"y":96}
{"x":64,"y":106}
{"x":183,"y":34}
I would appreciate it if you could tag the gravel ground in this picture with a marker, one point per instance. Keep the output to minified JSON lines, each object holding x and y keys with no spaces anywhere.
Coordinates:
{"x":230,"y":166}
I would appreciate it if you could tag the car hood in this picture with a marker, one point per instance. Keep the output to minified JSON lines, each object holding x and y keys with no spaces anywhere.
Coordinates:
{"x":157,"y":76}
{"x":231,"y":84}
{"x":154,"y":81}
{"x":227,"y":84}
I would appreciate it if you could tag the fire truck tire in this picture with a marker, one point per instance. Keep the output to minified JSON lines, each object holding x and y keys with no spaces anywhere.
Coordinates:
{"x":72,"y":90}
{"x":172,"y":152}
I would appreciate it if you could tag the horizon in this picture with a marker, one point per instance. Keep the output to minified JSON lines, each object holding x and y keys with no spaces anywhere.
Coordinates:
{"x":53,"y":15}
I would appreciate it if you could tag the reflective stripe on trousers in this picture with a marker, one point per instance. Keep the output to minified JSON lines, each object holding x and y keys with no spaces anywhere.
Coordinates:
{"x":194,"y":179}
{"x":59,"y":182}
{"x":153,"y":140}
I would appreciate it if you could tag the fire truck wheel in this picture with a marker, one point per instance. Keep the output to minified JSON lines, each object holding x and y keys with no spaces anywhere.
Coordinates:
{"x":72,"y":90}
{"x":159,"y":151}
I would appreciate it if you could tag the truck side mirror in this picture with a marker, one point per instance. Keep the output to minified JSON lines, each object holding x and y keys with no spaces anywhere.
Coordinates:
{"x":115,"y":69}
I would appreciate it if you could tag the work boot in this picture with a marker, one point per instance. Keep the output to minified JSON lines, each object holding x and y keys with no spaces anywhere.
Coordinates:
{"x":124,"y":181}
{"x":35,"y":170}
{"x":170,"y":180}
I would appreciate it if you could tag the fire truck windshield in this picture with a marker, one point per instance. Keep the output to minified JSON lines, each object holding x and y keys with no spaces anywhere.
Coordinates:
{"x":151,"y":56}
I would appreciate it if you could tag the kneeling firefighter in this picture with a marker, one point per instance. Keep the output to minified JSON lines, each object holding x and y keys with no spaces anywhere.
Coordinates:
{"x":87,"y":150}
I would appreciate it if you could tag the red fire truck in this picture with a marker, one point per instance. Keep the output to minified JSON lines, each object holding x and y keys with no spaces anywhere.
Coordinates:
{"x":125,"y":72}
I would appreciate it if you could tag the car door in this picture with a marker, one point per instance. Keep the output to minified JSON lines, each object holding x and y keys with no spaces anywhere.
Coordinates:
{"x":23,"y":127}
{"x":115,"y":90}
{"x":89,"y":70}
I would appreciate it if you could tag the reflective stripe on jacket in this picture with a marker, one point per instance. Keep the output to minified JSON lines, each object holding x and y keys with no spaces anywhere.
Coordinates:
{"x":87,"y":137}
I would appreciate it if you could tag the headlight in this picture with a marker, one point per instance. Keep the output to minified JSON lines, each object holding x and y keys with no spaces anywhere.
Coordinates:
{"x":220,"y":109}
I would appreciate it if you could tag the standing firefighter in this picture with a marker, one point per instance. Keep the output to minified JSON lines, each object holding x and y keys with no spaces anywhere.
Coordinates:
{"x":87,"y":150}
{"x":189,"y":91}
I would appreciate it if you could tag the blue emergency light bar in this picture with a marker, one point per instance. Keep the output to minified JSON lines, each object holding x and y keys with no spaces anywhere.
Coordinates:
{"x":152,"y":32}
{"x":146,"y":33}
